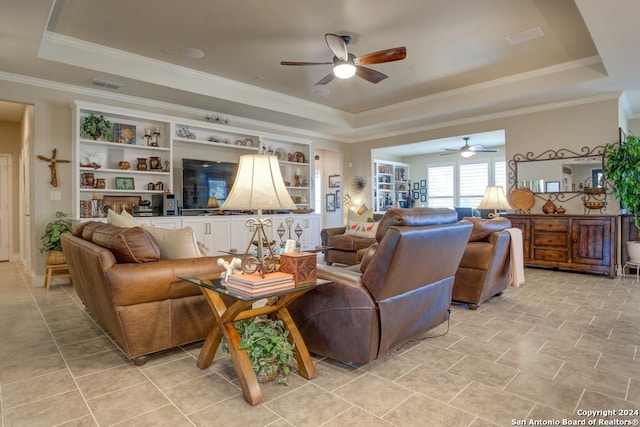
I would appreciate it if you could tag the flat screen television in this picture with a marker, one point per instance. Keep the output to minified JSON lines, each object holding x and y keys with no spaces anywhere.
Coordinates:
{"x":203,"y":179}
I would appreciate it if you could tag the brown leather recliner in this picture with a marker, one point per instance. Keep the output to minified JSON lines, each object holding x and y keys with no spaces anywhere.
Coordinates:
{"x":117,"y":274}
{"x":401,"y":289}
{"x":484,"y":270}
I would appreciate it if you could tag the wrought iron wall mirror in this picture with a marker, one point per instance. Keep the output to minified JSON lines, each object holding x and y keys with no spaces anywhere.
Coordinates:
{"x":559,"y":175}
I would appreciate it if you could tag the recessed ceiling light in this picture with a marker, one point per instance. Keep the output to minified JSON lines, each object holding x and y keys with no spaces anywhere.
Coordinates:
{"x":525,"y":36}
{"x":190,"y":52}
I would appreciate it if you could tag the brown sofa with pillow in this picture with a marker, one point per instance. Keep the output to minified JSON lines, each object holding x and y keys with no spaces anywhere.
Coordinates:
{"x":485,"y":270}
{"x":401,"y":289}
{"x":120,"y":277}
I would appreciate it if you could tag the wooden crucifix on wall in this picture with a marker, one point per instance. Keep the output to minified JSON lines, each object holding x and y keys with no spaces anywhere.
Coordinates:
{"x":52,"y":165}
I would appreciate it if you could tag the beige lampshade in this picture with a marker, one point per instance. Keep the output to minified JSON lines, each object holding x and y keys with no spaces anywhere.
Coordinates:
{"x":494,"y":198}
{"x":212,"y":202}
{"x":258,"y":185}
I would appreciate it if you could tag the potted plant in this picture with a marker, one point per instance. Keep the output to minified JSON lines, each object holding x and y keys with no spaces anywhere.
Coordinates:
{"x":622,"y":170}
{"x":94,"y":126}
{"x":268,"y":347}
{"x":51,"y":238}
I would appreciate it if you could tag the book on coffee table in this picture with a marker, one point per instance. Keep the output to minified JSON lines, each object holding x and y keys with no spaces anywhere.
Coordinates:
{"x":256,"y":280}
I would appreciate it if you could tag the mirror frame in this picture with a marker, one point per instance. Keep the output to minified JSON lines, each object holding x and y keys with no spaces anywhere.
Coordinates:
{"x":562,"y":153}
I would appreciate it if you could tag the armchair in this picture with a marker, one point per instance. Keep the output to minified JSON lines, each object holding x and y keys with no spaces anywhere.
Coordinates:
{"x":484,"y":270}
{"x":401,"y":289}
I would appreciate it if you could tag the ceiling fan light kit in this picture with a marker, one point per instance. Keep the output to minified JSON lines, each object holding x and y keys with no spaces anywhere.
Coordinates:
{"x":346,"y":65}
{"x":467,"y":150}
{"x":344,"y":70}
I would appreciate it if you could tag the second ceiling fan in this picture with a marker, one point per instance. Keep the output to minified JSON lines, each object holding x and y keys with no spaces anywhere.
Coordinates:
{"x":469,"y":150}
{"x":346,"y":64}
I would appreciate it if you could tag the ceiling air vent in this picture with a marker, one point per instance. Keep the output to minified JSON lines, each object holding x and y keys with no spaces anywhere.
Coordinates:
{"x":106,"y":84}
{"x":525,"y":36}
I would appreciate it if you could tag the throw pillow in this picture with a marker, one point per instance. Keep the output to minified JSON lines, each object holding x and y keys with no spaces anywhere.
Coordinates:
{"x":128,"y":244}
{"x":175,"y":244}
{"x":362,"y":229}
{"x":121,"y":220}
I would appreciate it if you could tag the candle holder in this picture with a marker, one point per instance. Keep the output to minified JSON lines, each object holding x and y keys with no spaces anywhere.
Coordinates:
{"x":152,"y":137}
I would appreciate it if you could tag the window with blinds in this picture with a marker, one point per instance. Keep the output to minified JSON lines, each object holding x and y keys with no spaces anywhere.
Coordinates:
{"x":440,"y":186}
{"x":462,"y":184}
{"x":473,"y":178}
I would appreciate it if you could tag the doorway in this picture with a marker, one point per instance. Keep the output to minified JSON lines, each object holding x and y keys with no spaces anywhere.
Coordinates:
{"x":5,"y":207}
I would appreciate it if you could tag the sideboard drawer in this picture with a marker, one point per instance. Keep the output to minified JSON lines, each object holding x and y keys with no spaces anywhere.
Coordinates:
{"x":553,"y":255}
{"x":551,"y":239}
{"x":551,"y":224}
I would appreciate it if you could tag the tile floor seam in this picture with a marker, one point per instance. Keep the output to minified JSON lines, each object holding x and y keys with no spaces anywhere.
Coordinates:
{"x":406,"y":399}
{"x":121,"y":422}
{"x":575,"y":408}
{"x":64,"y":359}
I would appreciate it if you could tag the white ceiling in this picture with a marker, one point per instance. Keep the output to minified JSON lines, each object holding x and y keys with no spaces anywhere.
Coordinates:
{"x":459,"y":63}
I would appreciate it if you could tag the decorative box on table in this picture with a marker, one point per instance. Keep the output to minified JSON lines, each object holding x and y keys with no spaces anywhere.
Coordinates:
{"x":301,"y":264}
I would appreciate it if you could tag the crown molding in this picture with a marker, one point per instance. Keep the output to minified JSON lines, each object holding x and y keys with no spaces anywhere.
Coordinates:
{"x":96,"y":57}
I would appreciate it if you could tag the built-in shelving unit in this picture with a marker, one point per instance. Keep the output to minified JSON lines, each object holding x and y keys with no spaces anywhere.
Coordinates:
{"x":391,"y":185}
{"x":99,"y":169}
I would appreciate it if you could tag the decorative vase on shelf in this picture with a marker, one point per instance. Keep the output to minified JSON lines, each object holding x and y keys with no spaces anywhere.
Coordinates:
{"x":142,"y":163}
{"x":549,"y":208}
{"x":561,"y":210}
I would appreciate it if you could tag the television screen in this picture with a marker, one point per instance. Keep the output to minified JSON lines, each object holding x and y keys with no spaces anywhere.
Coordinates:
{"x":204,"y":179}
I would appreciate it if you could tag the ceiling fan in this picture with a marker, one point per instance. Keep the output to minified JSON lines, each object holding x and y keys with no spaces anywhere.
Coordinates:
{"x":469,"y":150}
{"x":346,"y":64}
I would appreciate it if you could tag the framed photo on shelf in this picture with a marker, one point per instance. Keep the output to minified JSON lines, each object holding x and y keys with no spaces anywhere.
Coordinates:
{"x":338,"y":199}
{"x":423,"y":198}
{"x":331,"y":202}
{"x":124,"y":134}
{"x":334,"y":181}
{"x":125,"y":183}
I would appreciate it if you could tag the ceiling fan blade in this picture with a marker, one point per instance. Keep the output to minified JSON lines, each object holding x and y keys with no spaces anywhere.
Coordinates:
{"x":451,"y":152}
{"x":304,"y":63}
{"x":337,"y":45}
{"x":326,"y":79}
{"x":484,"y":150}
{"x":370,"y":75}
{"x":479,"y":148}
{"x":387,"y":55}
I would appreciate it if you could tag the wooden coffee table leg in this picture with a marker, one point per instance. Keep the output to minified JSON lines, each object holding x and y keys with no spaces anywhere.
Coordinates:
{"x":242,"y":365}
{"x":306,"y":368}
{"x":209,"y":348}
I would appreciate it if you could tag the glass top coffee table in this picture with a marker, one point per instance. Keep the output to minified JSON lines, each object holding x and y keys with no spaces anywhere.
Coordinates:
{"x":241,"y":308}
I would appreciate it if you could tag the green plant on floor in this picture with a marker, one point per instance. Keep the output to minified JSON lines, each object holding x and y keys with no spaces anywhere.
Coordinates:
{"x":54,"y":229}
{"x":267,"y":344}
{"x":622,"y":170}
{"x":94,"y":126}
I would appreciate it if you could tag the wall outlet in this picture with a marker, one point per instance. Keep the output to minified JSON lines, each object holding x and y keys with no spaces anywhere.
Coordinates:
{"x":55,"y":195}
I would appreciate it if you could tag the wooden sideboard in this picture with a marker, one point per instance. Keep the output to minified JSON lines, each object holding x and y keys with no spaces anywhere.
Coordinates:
{"x":574,"y":242}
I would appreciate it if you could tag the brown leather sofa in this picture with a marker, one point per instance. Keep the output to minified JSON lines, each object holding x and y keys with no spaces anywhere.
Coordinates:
{"x":484,"y":270}
{"x":401,"y":289}
{"x":137,"y":298}
{"x":344,"y":247}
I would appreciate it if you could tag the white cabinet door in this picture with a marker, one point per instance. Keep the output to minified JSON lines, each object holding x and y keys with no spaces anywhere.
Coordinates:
{"x":166,"y":222}
{"x":213,"y":233}
{"x":312,"y":227}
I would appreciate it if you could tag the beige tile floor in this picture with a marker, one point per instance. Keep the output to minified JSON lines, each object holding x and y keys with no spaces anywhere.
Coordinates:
{"x":560,"y":344}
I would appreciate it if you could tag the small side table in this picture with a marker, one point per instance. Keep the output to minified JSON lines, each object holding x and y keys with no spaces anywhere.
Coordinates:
{"x":240,"y":309}
{"x":56,"y":271}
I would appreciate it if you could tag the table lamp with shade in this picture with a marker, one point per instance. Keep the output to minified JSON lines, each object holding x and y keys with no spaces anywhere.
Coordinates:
{"x":494,"y":198}
{"x":258,"y":186}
